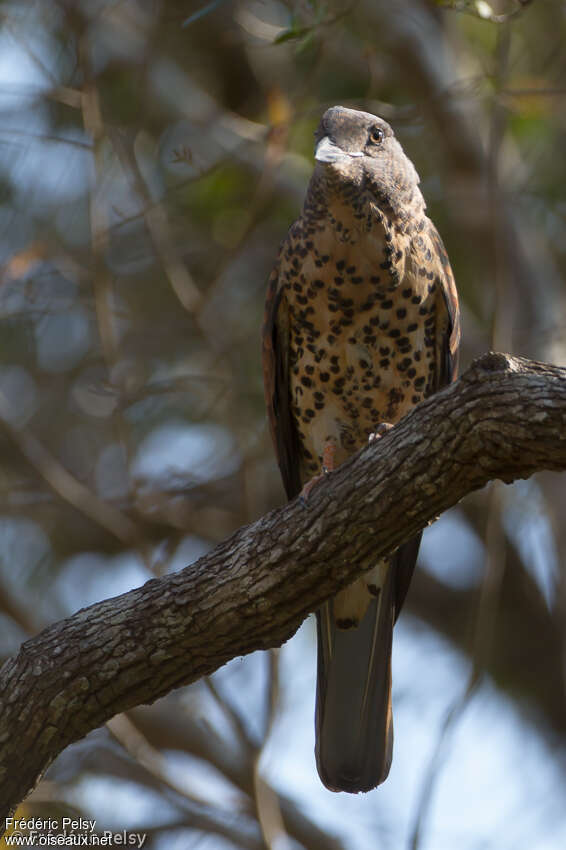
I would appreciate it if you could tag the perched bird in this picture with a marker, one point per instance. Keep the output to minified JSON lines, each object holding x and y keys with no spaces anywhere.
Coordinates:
{"x":361,"y":324}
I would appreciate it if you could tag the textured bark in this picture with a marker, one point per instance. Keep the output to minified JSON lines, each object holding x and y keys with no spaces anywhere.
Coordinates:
{"x":505,"y":418}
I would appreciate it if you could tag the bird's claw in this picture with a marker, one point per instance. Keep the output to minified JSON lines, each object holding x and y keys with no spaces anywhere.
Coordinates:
{"x":380,"y":431}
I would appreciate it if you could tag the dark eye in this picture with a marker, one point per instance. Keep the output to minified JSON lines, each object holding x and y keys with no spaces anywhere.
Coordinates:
{"x":376,"y":135}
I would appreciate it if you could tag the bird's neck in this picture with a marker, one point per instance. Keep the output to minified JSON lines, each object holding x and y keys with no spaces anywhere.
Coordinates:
{"x":364,"y":206}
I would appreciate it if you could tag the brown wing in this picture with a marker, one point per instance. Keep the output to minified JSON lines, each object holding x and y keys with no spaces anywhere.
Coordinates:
{"x":275,"y":358}
{"x":448,"y":344}
{"x":449,"y":328}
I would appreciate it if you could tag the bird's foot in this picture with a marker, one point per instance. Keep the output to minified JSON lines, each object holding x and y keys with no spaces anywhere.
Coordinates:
{"x":328,"y":466}
{"x":380,"y":431}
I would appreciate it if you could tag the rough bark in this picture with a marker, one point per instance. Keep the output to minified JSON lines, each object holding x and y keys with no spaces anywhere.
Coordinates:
{"x":505,"y":418}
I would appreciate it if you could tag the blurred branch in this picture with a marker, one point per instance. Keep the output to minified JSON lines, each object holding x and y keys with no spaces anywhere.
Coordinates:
{"x":67,"y":486}
{"x":505,"y":418}
{"x":483,"y":10}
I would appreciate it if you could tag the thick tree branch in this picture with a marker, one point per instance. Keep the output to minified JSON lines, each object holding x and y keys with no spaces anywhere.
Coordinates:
{"x":505,"y":418}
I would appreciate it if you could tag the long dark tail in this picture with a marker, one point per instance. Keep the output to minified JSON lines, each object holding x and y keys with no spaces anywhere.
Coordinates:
{"x":354,"y":723}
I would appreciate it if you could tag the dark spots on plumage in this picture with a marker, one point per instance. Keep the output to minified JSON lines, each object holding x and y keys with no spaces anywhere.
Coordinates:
{"x":422,"y":271}
{"x":423,"y":311}
{"x":309,"y":413}
{"x":325,"y":258}
{"x":339,"y":226}
{"x":416,"y":299}
{"x":340,"y":265}
{"x":309,"y":369}
{"x":419,"y":382}
{"x":403,"y":341}
{"x":375,"y":278}
{"x":401,"y":313}
{"x":411,"y":372}
{"x":385,"y":265}
{"x":338,"y":280}
{"x":324,"y":376}
{"x":367,"y":402}
{"x":335,"y":369}
{"x":319,"y":405}
{"x":398,"y":255}
{"x":415,"y":399}
{"x":370,"y":339}
{"x":429,"y":322}
{"x":306,"y":381}
{"x":297,"y":287}
{"x":384,"y":363}
{"x":331,"y":339}
{"x":394,"y":333}
{"x":309,"y":245}
{"x":406,"y":293}
{"x":318,"y":264}
{"x":363,"y":364}
{"x":318,"y":396}
{"x":404,"y":364}
{"x":374,"y":321}
{"x":333,"y":307}
{"x":387,"y":305}
{"x":417,"y":356}
{"x":356,"y":280}
{"x":431,"y":288}
{"x":384,"y":349}
{"x":302,"y":299}
{"x":412,"y":327}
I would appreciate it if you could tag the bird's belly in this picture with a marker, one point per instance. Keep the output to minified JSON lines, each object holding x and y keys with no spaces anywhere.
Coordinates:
{"x":360,"y":355}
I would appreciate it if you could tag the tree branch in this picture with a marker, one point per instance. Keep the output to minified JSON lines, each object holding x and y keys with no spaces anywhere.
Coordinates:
{"x":505,"y":418}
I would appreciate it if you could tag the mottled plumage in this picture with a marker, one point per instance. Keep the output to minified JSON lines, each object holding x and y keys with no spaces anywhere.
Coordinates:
{"x":361,"y":324}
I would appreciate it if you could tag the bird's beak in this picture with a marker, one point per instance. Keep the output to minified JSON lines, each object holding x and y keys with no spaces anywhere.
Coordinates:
{"x":327,"y":151}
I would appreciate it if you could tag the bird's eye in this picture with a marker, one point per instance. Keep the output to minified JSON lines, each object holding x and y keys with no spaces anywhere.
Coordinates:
{"x":376,"y":135}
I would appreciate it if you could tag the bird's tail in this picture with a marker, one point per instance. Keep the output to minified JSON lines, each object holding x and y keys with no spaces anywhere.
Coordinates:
{"x":354,"y":724}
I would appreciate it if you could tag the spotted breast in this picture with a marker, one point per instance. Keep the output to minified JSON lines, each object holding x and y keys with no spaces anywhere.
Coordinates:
{"x":361,"y":324}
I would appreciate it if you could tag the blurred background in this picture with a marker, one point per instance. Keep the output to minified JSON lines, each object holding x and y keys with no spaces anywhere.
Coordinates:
{"x":152,"y":157}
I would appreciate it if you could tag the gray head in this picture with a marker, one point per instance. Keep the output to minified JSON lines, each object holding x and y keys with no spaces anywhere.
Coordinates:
{"x":357,"y":153}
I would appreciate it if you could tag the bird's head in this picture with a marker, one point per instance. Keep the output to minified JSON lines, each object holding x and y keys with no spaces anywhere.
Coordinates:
{"x":357,"y":152}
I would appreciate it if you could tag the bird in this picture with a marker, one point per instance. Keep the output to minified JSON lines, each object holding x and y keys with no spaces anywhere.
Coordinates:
{"x":361,"y":323}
